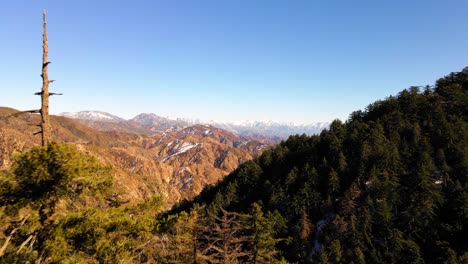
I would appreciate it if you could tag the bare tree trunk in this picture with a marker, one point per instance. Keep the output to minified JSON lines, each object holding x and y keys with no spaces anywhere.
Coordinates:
{"x":45,"y":123}
{"x":44,"y":93}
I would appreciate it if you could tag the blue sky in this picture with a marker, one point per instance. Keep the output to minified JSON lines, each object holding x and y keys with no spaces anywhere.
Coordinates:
{"x":301,"y":61}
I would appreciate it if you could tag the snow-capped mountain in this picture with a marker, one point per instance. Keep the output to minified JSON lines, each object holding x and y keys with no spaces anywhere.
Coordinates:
{"x":94,"y":116}
{"x":172,"y":164}
{"x":273,"y":128}
{"x":157,"y":123}
{"x":148,"y":123}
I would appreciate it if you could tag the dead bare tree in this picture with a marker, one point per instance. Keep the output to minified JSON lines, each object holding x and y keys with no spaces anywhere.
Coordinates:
{"x":44,"y":93}
{"x":45,"y":121}
{"x":225,"y":239}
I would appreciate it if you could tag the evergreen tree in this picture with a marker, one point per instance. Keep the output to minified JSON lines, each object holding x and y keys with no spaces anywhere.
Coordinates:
{"x":42,"y":177}
{"x":263,"y":241}
{"x":333,"y":182}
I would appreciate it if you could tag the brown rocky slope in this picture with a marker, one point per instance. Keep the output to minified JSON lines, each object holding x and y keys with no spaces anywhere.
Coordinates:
{"x":174,"y":165}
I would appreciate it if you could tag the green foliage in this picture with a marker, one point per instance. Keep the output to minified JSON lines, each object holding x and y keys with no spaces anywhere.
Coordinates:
{"x":333,"y":182}
{"x":383,"y":187}
{"x":44,"y":175}
{"x":98,"y":236}
{"x":38,"y":180}
{"x":387,"y":186}
{"x":105,"y":235}
{"x":263,"y":241}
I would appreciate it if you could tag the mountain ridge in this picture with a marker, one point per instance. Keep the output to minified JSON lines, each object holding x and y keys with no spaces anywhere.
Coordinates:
{"x":95,"y":115}
{"x":271,"y":131}
{"x":171,"y":164}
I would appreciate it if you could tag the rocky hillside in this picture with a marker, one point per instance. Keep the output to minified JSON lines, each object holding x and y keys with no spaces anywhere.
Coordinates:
{"x":174,"y":164}
{"x":270,"y":132}
{"x":103,"y":121}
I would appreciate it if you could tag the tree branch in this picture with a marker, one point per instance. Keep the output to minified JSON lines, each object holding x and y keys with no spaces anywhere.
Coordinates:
{"x":24,"y":244}
{"x":7,"y":241}
{"x":40,"y":93}
{"x":35,"y":111}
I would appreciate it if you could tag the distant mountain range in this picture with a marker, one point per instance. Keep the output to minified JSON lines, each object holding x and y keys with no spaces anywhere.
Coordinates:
{"x":148,"y":123}
{"x":94,"y":116}
{"x":276,"y":129}
{"x":150,"y":154}
{"x":175,"y":163}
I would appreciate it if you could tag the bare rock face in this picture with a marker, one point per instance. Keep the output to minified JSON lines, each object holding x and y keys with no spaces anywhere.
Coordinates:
{"x":175,"y":164}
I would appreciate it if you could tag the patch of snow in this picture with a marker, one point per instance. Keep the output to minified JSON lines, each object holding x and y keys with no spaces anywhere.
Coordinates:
{"x":207,"y":132}
{"x":260,"y":147}
{"x":186,"y":182}
{"x":181,"y":148}
{"x":133,"y":165}
{"x":317,"y":246}
{"x":244,"y":143}
{"x":438,"y":182}
{"x":93,"y":116}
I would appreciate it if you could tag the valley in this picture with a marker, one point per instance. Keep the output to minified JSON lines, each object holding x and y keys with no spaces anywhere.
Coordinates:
{"x":234,"y":132}
{"x":175,"y":163}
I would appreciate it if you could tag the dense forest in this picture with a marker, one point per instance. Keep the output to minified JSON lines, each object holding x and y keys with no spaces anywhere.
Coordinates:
{"x":389,"y":185}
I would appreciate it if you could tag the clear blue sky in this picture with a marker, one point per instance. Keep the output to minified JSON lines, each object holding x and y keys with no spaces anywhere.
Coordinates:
{"x":302,"y":61}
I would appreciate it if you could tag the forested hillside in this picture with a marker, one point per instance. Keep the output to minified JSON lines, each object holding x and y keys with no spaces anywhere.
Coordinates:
{"x":389,"y":185}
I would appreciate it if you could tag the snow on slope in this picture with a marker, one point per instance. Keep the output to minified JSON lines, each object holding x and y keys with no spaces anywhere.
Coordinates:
{"x":250,"y":128}
{"x":179,"y":148}
{"x":273,"y":128}
{"x":94,"y":116}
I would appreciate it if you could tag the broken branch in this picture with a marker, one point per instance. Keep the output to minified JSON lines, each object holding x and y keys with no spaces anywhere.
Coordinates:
{"x":24,"y":244}
{"x":7,"y":241}
{"x":35,"y":111}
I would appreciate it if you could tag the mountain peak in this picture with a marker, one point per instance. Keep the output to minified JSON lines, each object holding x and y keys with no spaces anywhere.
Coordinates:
{"x":149,"y":123}
{"x":93,"y":116}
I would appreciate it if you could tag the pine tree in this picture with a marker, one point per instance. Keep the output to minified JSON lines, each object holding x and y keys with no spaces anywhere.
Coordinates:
{"x":359,"y":256}
{"x":263,"y":239}
{"x":336,"y":251}
{"x":323,"y":257}
{"x":42,"y":177}
{"x":333,"y":182}
{"x":225,"y":238}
